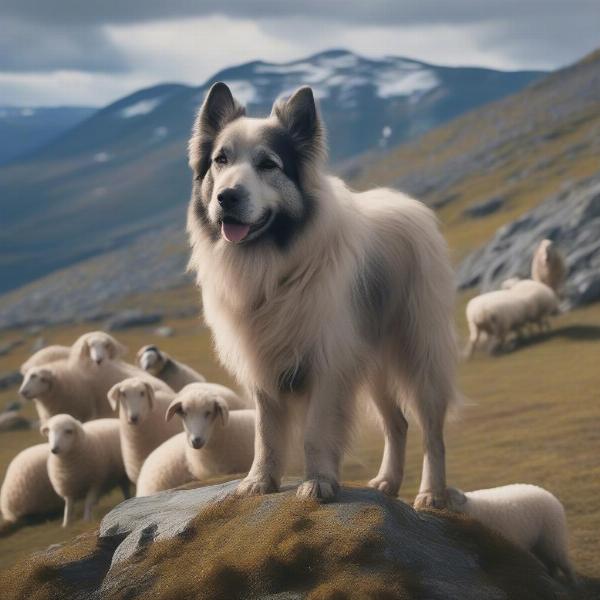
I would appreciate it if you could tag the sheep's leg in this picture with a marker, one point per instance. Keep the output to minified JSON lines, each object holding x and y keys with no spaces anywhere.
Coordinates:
{"x":90,"y":501}
{"x":326,"y":433}
{"x":395,"y":428}
{"x":472,"y":344}
{"x":270,"y":445}
{"x":68,"y":512}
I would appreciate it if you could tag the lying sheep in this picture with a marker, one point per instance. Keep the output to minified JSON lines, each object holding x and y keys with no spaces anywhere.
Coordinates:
{"x":143,"y":425}
{"x":495,"y":314}
{"x":96,"y":347}
{"x":171,"y":371}
{"x":540,"y":301}
{"x":85,"y":461}
{"x":527,"y":515}
{"x":548,"y":266}
{"x":26,"y":489}
{"x":215,"y":441}
{"x":45,"y":355}
{"x":59,"y":388}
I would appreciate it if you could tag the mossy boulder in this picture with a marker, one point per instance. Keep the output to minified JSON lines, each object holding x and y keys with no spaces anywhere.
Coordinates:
{"x":205,"y":543}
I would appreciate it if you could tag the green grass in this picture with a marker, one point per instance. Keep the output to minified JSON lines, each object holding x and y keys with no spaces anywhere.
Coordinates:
{"x":531,"y":416}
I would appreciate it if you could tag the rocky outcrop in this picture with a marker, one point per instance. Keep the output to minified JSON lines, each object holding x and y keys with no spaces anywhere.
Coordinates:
{"x":571,"y":219}
{"x":204,"y":543}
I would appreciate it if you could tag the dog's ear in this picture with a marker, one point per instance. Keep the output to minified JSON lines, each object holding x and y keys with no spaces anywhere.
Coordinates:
{"x":299,"y":116}
{"x":218,"y":109}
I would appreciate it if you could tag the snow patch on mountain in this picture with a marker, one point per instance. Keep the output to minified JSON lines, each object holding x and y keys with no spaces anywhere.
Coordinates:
{"x":143,"y":107}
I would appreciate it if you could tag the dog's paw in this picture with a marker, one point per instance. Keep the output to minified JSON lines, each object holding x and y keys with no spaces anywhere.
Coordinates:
{"x":318,"y":489}
{"x":426,"y":500}
{"x":255,"y":486}
{"x":387,"y":486}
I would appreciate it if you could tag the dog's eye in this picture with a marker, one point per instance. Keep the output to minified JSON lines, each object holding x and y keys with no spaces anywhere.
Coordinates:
{"x":267,"y":164}
{"x":221,"y":159}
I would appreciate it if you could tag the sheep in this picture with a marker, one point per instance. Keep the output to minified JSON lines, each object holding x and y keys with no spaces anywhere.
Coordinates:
{"x":84,"y":462}
{"x":171,"y":371}
{"x":548,"y":266}
{"x":26,"y":489}
{"x":496,"y":314}
{"x":540,"y":301}
{"x":143,"y":426}
{"x":96,"y":347}
{"x":45,"y":355}
{"x":215,"y":441}
{"x":57,"y":387}
{"x":527,"y":515}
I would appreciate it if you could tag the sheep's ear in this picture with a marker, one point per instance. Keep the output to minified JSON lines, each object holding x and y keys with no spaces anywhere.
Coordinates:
{"x":219,"y":109}
{"x":299,"y":116}
{"x":174,"y":407}
{"x":456,"y":498}
{"x":114,"y":394}
{"x":222,"y":411}
{"x":44,"y":430}
{"x":151,"y":396}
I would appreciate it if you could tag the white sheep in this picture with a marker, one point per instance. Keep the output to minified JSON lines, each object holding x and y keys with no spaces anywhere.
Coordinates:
{"x":58,"y":387}
{"x":171,"y":371}
{"x":45,"y":355}
{"x":527,"y":515}
{"x":215,"y":441}
{"x":143,"y":425}
{"x":495,"y":314}
{"x":26,"y":489}
{"x":96,"y":347}
{"x":548,"y":266}
{"x":540,"y":301}
{"x":85,"y":461}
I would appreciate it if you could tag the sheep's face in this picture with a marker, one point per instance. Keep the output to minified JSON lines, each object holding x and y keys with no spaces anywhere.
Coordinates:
{"x":151,"y":359}
{"x":136,"y":398}
{"x":102,"y":347}
{"x":37,"y":382}
{"x":62,"y":432}
{"x":200,"y":415}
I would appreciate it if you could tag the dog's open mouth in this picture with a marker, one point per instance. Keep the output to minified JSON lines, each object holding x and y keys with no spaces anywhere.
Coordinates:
{"x":235,"y":231}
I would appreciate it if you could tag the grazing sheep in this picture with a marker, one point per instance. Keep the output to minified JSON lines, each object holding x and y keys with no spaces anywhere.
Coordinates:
{"x":548,"y":266}
{"x":58,"y":387}
{"x":26,"y":489}
{"x":45,"y":355}
{"x":96,"y":347}
{"x":85,"y":461}
{"x":496,"y":314}
{"x":143,"y":425}
{"x":171,"y":371}
{"x":540,"y":301}
{"x":215,"y":441}
{"x":527,"y":515}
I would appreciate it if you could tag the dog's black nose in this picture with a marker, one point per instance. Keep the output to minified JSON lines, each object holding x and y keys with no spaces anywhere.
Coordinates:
{"x":229,"y":198}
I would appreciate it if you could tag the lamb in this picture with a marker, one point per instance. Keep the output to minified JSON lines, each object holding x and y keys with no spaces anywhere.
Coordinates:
{"x":85,"y":461}
{"x":540,"y":301}
{"x":45,"y":355}
{"x":96,"y":347}
{"x":171,"y":371}
{"x":143,"y":426}
{"x":548,"y":266}
{"x":496,"y":314}
{"x":527,"y":515}
{"x":26,"y":489}
{"x":57,"y":387}
{"x":215,"y":441}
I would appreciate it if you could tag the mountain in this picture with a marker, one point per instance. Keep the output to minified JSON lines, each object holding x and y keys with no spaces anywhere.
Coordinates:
{"x":26,"y":129}
{"x":123,"y":171}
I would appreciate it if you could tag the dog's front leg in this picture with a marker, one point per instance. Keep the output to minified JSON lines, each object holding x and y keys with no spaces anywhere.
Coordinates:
{"x":327,"y":425}
{"x":270,"y":445}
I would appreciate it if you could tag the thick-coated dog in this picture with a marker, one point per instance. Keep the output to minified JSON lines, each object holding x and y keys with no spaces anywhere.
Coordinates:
{"x":316,"y":294}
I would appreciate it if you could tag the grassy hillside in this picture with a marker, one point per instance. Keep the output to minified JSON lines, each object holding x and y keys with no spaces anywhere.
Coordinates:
{"x":531,"y":416}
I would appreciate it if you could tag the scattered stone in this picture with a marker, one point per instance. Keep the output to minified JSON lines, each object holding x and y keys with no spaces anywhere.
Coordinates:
{"x":483,"y":209}
{"x":8,"y":380}
{"x":13,"y":421}
{"x":9,"y":346}
{"x":131,"y":318}
{"x":13,"y":406}
{"x":164,"y":331}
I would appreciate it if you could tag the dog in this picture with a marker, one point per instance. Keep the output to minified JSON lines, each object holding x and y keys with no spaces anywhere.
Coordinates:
{"x":316,"y":295}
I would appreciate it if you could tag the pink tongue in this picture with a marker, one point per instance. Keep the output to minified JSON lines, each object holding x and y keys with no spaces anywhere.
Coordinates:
{"x":234,"y":232}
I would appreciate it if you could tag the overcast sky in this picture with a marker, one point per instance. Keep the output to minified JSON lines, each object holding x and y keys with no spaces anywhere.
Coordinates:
{"x":92,"y":52}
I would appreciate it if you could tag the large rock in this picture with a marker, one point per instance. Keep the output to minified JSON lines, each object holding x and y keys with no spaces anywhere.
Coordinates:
{"x":571,"y":219}
{"x":204,"y":544}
